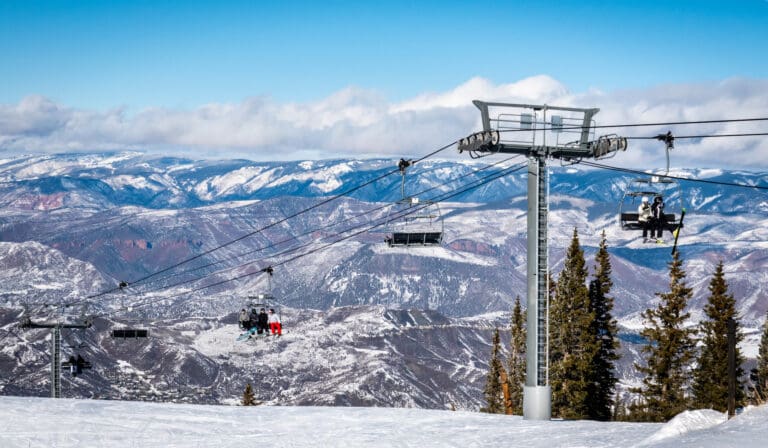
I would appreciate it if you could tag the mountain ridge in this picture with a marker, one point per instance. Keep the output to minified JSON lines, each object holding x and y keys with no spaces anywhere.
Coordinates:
{"x":89,"y":222}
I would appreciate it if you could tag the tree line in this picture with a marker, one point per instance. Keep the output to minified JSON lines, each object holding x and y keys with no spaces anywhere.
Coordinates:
{"x":682,"y":367}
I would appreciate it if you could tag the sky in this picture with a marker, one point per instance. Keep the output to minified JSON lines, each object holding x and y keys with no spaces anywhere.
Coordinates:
{"x":299,"y":79}
{"x":77,"y":423}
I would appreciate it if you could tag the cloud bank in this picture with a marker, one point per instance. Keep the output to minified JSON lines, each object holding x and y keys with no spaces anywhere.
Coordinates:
{"x":362,"y":123}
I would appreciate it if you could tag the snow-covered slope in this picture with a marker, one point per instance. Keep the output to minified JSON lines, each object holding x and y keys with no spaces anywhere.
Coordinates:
{"x":348,"y":356}
{"x":78,"y":423}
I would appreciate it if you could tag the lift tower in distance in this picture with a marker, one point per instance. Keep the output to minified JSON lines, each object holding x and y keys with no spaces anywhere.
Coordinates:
{"x":56,"y":328}
{"x":539,"y":132}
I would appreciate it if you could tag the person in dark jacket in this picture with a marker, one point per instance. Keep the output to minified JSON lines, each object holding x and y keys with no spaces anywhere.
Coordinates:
{"x":263,"y":321}
{"x":659,"y":220}
{"x":253,"y":321}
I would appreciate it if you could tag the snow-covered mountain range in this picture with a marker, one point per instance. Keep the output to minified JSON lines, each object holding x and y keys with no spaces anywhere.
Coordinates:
{"x":76,"y":225}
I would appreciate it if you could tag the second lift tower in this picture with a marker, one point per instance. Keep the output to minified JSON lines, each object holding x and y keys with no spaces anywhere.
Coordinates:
{"x":539,"y":132}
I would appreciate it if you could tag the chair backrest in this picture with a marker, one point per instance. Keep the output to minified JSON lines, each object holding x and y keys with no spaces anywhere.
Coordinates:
{"x":125,"y":333}
{"x":416,"y":238}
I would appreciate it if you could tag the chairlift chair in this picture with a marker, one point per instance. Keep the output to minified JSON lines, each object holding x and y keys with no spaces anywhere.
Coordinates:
{"x":411,"y":221}
{"x":127,"y":332}
{"x":651,"y":187}
{"x":654,"y":186}
{"x":266,"y":301}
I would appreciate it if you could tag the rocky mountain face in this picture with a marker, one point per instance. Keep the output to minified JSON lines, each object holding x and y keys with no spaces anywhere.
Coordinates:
{"x":365,"y":324}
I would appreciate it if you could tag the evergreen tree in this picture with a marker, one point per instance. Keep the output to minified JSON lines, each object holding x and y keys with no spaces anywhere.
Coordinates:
{"x":571,"y":346}
{"x":668,"y":353}
{"x":494,"y":394}
{"x":620,"y":412}
{"x":710,"y":379}
{"x":602,"y":380}
{"x":759,"y":374}
{"x":516,"y":362}
{"x":249,"y":399}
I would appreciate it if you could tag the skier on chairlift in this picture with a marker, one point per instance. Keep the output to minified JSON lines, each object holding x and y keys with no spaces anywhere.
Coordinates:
{"x":659,"y":220}
{"x":645,"y":218}
{"x":263,"y":322}
{"x":274,"y":323}
{"x":243,"y":319}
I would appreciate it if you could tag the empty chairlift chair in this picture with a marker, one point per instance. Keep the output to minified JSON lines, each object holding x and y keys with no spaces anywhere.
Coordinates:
{"x":413,"y":222}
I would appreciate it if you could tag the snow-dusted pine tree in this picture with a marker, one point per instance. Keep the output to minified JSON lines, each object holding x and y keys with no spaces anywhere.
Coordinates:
{"x":516,"y":361}
{"x":759,"y":374}
{"x":602,"y":377}
{"x":248,"y":397}
{"x":669,"y":351}
{"x":710,"y":378}
{"x":494,"y":394}
{"x":571,"y":348}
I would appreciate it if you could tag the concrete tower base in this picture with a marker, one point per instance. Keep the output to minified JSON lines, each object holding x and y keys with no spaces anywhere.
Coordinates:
{"x":537,"y":402}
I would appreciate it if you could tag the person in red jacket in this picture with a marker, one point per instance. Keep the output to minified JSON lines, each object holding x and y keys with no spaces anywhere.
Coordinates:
{"x":274,"y":323}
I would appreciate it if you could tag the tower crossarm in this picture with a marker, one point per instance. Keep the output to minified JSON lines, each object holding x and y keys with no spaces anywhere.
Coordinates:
{"x":30,"y":324}
{"x":565,"y":133}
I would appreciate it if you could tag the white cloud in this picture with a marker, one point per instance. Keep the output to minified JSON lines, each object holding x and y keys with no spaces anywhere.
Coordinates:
{"x":360,"y":123}
{"x":537,"y":89}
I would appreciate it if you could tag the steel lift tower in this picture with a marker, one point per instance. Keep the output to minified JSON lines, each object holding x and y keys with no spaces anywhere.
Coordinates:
{"x":56,"y":364}
{"x":539,"y":132}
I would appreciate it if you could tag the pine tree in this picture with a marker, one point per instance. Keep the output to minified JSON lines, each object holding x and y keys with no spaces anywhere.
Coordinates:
{"x":710,"y":379}
{"x":516,"y":362}
{"x":602,"y":379}
{"x":249,"y":399}
{"x":620,"y":412}
{"x":759,"y":375}
{"x":668,"y":353}
{"x":571,"y":347}
{"x":494,"y":395}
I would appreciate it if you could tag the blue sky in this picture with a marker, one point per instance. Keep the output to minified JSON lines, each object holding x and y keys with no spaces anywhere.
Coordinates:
{"x":97,"y":56}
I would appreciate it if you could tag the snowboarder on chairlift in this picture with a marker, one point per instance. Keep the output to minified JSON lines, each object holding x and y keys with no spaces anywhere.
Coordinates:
{"x":657,"y":209}
{"x":645,"y":218}
{"x":252,"y":323}
{"x":243,"y":319}
{"x":274,"y":323}
{"x":253,"y":320}
{"x":263,"y":322}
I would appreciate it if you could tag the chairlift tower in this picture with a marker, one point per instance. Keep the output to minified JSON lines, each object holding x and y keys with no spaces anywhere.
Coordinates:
{"x":539,"y":132}
{"x":56,"y":328}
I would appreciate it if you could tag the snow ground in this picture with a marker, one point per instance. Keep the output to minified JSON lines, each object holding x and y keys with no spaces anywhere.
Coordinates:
{"x":26,"y":422}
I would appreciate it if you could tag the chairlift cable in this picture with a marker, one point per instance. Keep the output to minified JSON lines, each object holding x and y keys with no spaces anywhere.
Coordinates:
{"x":297,"y":248}
{"x":688,"y":179}
{"x":755,"y":134}
{"x":321,"y":203}
{"x":440,"y":198}
{"x":312,"y":251}
{"x":143,"y":279}
{"x":311,"y":231}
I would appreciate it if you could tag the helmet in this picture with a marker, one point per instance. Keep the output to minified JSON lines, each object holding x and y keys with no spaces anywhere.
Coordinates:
{"x":645,"y":198}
